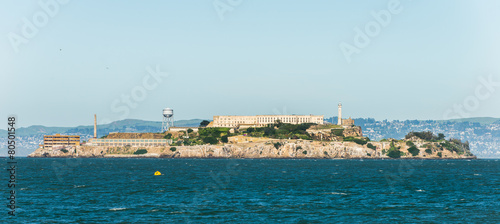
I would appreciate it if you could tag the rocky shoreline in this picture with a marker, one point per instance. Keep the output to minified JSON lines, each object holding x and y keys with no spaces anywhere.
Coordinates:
{"x":285,"y":149}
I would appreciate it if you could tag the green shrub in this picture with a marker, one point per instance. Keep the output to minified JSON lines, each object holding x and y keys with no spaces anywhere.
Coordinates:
{"x":277,"y":145}
{"x":64,"y":150}
{"x":425,"y":135}
{"x":410,"y":143}
{"x":299,"y":147}
{"x":281,"y":131}
{"x":360,"y":141}
{"x":338,"y":132}
{"x":440,"y":154}
{"x":356,"y":140}
{"x":428,"y":151}
{"x":395,"y":154}
{"x":368,"y":154}
{"x":326,"y":153}
{"x":213,"y":132}
{"x":173,"y":149}
{"x":371,"y":146}
{"x":211,"y":140}
{"x":414,"y":151}
{"x":304,"y":152}
{"x":224,"y":139}
{"x":140,"y":152}
{"x":190,"y":130}
{"x":168,"y":136}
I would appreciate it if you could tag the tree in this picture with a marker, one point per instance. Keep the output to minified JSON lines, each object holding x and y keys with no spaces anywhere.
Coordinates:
{"x":190,"y":130}
{"x":224,"y":139}
{"x":210,"y":140}
{"x":204,"y":123}
{"x":278,"y":123}
{"x":414,"y":151}
{"x":168,"y":136}
{"x":395,"y":154}
{"x":441,"y":136}
{"x":424,"y":135}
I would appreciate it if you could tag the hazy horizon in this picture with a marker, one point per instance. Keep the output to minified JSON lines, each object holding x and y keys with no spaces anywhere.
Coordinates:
{"x":327,"y":119}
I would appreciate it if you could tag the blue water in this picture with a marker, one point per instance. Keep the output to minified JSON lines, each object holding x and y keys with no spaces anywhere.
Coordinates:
{"x":255,"y":191}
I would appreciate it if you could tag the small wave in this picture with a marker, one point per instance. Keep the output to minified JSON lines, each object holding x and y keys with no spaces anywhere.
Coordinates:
{"x":79,"y":186}
{"x":24,"y":188}
{"x":117,"y":209}
{"x":476,"y":174}
{"x":420,"y":190}
{"x":338,"y":193}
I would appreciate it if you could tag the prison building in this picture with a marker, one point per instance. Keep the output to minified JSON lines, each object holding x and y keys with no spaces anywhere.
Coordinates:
{"x":263,"y":120}
{"x":130,"y":142}
{"x":49,"y":141}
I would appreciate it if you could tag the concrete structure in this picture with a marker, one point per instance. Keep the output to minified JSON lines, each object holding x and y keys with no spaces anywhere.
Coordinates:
{"x":168,"y":119}
{"x":130,"y":142}
{"x":50,"y":141}
{"x":347,"y":122}
{"x":263,"y":120}
{"x":177,"y":129}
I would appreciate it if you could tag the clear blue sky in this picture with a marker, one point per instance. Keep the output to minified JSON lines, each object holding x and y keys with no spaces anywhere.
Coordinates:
{"x":263,"y":57}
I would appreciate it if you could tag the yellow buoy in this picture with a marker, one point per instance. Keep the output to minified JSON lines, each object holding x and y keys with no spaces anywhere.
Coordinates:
{"x":157,"y":173}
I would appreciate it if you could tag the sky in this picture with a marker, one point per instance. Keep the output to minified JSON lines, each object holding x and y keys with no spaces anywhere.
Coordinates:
{"x":61,"y":62}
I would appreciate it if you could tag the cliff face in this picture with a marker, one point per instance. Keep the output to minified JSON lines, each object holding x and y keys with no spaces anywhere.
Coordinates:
{"x":271,"y":149}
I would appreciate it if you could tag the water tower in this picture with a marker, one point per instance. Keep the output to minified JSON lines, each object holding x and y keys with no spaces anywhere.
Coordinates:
{"x":168,"y":119}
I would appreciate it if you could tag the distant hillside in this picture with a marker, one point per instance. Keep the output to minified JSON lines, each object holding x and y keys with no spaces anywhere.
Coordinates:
{"x":128,"y":125}
{"x":480,"y":120}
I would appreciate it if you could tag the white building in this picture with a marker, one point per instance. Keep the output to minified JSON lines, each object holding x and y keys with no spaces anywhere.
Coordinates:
{"x":263,"y":120}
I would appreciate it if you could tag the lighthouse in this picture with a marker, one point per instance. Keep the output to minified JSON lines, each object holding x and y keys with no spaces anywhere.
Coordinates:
{"x":340,"y":114}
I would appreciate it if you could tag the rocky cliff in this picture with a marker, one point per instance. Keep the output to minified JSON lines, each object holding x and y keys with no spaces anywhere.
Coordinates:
{"x":286,"y":149}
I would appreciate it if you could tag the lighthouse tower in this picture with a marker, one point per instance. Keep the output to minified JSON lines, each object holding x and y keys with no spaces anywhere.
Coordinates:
{"x":340,"y":114}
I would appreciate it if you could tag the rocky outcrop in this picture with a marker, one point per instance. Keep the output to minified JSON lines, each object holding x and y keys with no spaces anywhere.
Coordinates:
{"x":334,"y":133}
{"x":354,"y":131}
{"x":285,"y":149}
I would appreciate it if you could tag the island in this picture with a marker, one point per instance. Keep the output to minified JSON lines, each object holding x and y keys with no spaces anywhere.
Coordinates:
{"x":275,"y":140}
